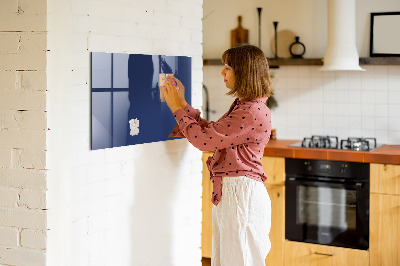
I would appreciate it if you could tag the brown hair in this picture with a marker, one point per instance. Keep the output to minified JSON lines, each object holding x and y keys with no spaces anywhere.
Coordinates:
{"x":250,"y":66}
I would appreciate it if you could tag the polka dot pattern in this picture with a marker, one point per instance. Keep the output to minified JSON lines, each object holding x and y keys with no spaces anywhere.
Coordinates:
{"x":238,"y":139}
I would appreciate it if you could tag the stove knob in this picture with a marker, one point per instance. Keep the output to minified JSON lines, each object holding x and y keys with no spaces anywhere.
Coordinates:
{"x":343,"y":168}
{"x":308,"y":166}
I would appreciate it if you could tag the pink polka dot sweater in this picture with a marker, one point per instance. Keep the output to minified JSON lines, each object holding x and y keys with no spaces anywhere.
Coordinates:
{"x":238,"y":139}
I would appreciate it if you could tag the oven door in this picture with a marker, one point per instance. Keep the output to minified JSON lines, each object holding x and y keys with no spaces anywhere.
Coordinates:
{"x":327,"y":213}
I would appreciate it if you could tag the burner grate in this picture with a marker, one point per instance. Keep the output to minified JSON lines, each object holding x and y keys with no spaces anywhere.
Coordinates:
{"x":327,"y":142}
{"x":358,"y":144}
{"x":332,"y":142}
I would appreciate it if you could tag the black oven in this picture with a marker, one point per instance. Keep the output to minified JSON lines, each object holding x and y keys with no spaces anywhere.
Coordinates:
{"x":327,"y":202}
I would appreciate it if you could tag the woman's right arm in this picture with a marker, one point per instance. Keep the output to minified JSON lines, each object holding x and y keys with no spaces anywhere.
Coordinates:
{"x":236,"y":129}
{"x":194,"y":113}
{"x":190,"y":111}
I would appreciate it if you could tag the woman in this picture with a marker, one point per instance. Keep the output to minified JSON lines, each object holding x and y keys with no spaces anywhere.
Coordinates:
{"x":242,"y":211}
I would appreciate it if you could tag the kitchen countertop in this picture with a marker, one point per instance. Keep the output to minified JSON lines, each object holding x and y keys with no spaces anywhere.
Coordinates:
{"x":389,"y":154}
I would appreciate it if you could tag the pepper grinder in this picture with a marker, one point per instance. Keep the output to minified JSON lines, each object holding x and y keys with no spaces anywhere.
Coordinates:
{"x":276,"y":38}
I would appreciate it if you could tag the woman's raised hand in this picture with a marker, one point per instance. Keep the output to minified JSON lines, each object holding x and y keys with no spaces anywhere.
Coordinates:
{"x":181,"y":91}
{"x":174,"y":93}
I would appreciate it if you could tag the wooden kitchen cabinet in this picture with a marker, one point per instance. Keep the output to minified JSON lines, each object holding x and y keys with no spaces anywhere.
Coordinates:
{"x":384,"y":236}
{"x":274,"y":168}
{"x":206,"y":225}
{"x":385,"y":215}
{"x":305,"y":254}
{"x":385,"y":178}
{"x":277,"y":233}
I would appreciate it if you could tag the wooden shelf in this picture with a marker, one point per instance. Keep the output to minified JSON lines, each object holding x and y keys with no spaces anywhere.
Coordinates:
{"x":273,"y":63}
{"x":380,"y":61}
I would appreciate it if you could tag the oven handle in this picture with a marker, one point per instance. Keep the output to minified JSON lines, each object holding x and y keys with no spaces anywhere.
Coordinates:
{"x":357,"y":185}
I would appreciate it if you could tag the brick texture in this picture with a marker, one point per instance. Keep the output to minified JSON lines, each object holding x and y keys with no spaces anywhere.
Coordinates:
{"x":9,"y":237}
{"x":23,"y":218}
{"x":126,"y":189}
{"x":17,"y":256}
{"x":23,"y":125}
{"x":45,"y":123}
{"x":33,"y":239}
{"x":33,"y":199}
{"x":8,"y":197}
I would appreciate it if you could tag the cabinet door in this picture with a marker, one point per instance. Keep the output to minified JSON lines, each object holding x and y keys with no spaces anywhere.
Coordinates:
{"x":304,"y":254}
{"x":274,"y":168}
{"x":385,"y":178}
{"x":277,"y":233}
{"x":206,"y":226}
{"x":384,"y":230}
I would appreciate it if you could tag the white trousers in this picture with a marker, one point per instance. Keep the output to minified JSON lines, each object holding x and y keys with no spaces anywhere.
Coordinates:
{"x":241,"y":223}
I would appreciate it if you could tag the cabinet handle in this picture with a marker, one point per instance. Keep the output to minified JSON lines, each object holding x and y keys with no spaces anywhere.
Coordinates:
{"x":324,"y":254}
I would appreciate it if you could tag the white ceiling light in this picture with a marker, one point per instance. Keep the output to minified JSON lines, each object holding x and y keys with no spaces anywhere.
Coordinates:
{"x":341,"y":51}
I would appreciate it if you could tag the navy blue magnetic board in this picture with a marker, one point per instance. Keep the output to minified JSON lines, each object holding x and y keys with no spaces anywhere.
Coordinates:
{"x":127,"y":106}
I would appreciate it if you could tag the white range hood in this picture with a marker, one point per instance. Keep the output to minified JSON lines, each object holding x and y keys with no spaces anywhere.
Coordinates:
{"x":341,"y":51}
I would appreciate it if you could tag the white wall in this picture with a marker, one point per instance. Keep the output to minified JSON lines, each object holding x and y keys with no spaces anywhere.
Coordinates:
{"x":306,"y":19}
{"x":343,"y":104}
{"x":23,"y":133}
{"x":136,"y":205}
{"x":311,"y":102}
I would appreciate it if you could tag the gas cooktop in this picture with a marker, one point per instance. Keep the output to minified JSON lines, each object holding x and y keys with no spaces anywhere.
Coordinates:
{"x":332,"y":142}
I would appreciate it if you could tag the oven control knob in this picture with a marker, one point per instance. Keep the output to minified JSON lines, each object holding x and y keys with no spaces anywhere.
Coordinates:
{"x":308,"y":166}
{"x":343,"y":168}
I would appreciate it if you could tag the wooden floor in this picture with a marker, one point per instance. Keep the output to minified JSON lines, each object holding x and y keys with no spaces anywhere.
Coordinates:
{"x":206,"y":261}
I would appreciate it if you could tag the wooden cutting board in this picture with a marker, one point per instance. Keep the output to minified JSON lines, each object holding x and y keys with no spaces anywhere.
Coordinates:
{"x":239,"y":35}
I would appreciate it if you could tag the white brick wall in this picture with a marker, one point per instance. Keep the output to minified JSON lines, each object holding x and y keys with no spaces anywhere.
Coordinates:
{"x":9,"y":237}
{"x":8,"y":197}
{"x":108,"y":207}
{"x":33,"y":239}
{"x":11,"y":256}
{"x":23,"y":178}
{"x":136,"y":205}
{"x":23,"y":218}
{"x":23,"y":132}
